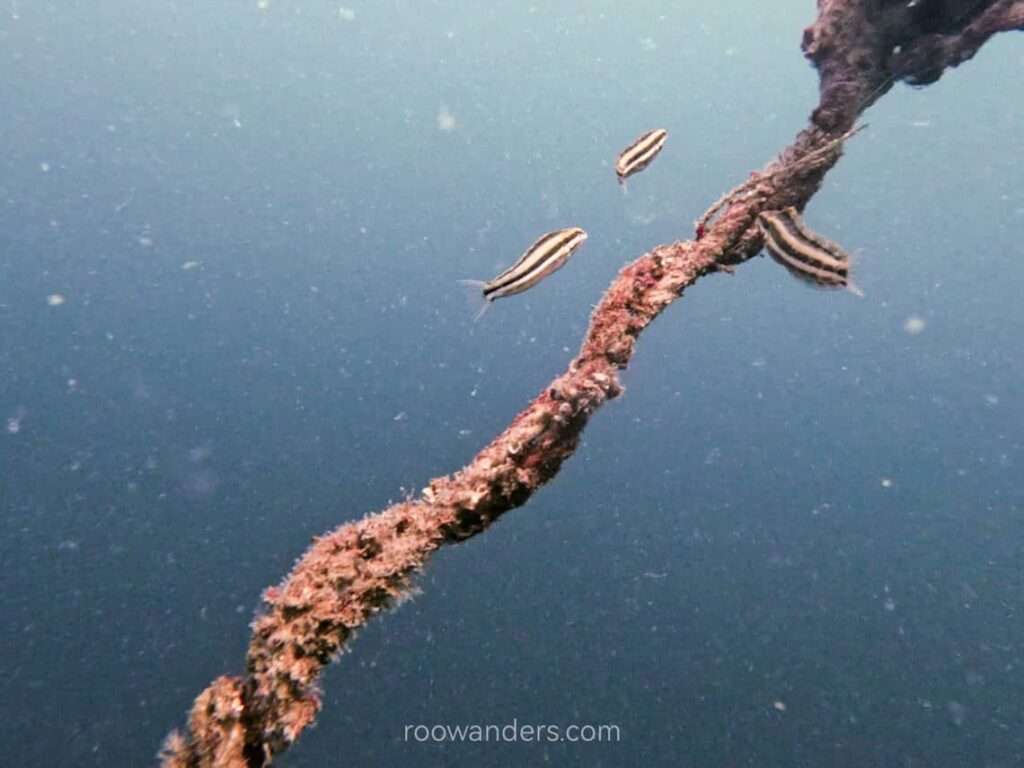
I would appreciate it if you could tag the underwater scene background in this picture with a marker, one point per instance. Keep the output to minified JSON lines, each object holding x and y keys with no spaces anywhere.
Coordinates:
{"x":230,"y":240}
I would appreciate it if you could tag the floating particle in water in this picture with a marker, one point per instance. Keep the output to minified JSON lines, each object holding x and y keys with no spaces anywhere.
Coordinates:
{"x":200,"y":453}
{"x":643,"y":218}
{"x":648,"y":44}
{"x":914,"y":325}
{"x":263,"y":4}
{"x":44,"y":167}
{"x":232,"y":112}
{"x":190,"y":265}
{"x":957,"y":712}
{"x":400,"y":416}
{"x":887,"y":482}
{"x":346,"y":14}
{"x":992,"y":399}
{"x":15,"y":419}
{"x":445,"y":119}
{"x":145,"y":241}
{"x":200,"y":484}
{"x":974,"y":678}
{"x":55,"y":299}
{"x":889,"y":604}
{"x":779,"y":706}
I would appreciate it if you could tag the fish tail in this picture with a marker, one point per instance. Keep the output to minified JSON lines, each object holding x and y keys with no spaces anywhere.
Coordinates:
{"x":851,"y":286}
{"x":475,"y":294}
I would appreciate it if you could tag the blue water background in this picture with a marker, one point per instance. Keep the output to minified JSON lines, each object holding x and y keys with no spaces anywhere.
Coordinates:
{"x":795,"y":541}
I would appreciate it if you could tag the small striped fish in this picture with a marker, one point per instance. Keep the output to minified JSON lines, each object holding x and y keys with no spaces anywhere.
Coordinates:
{"x":807,"y":255}
{"x":639,"y":154}
{"x":547,"y":254}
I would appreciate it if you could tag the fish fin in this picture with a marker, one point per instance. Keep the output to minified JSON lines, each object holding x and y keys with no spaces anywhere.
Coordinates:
{"x":475,"y":295}
{"x":851,"y":286}
{"x":487,"y":303}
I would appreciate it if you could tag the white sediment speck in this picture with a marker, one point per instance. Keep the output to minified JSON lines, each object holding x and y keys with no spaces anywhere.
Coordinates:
{"x":779,"y":705}
{"x":957,"y":712}
{"x":200,"y":453}
{"x":914,"y":325}
{"x":992,"y":399}
{"x":55,"y":299}
{"x":445,"y":119}
{"x":346,"y":14}
{"x":190,"y":265}
{"x":400,"y":416}
{"x":887,"y":482}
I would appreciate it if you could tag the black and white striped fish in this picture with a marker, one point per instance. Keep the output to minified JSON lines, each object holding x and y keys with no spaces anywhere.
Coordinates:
{"x":807,"y":255}
{"x":548,"y":254}
{"x":640,"y":153}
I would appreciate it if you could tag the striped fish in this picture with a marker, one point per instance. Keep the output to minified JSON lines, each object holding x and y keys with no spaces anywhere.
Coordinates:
{"x":807,"y":255}
{"x":639,"y":154}
{"x":548,"y":254}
